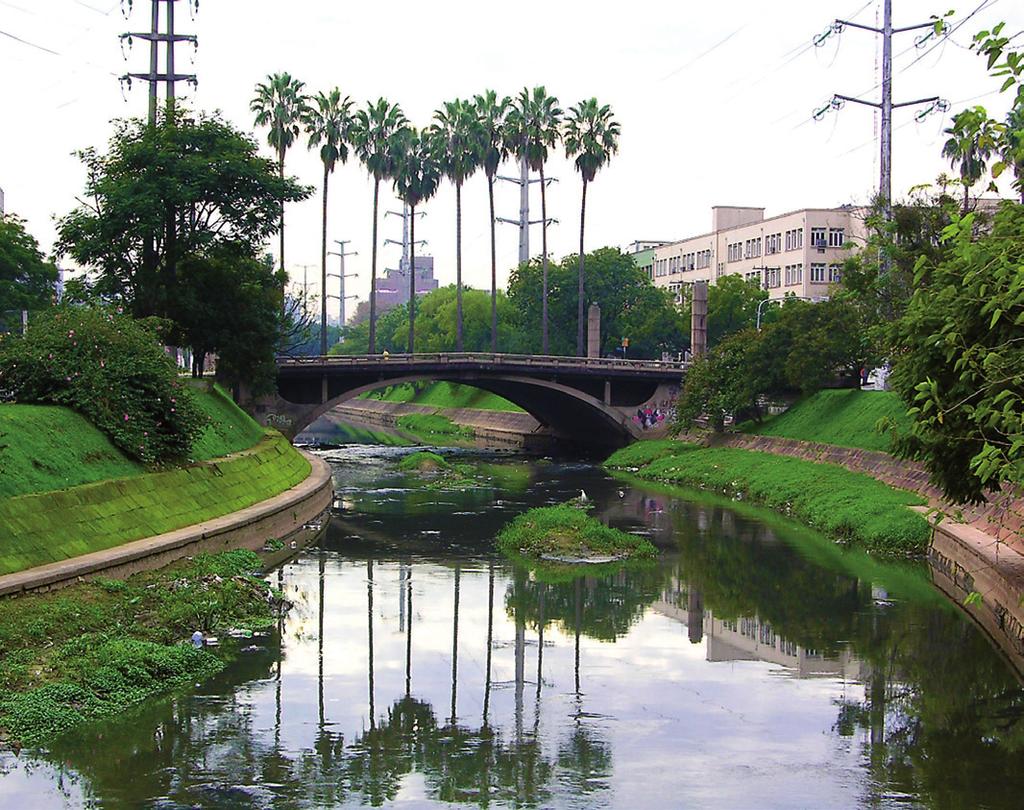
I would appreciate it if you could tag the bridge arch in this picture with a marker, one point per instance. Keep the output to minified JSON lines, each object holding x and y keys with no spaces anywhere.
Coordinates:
{"x":568,"y":412}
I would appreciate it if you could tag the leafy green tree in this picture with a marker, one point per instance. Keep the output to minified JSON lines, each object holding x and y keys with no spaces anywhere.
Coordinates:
{"x":435,"y":324}
{"x":376,"y":133}
{"x":631,"y":306}
{"x":1012,"y":146}
{"x":732,"y":306}
{"x":204,"y":169}
{"x":328,"y":123}
{"x":534,"y":127}
{"x":727,"y":381}
{"x":971,"y":142}
{"x":111,"y":369}
{"x":229,"y":303}
{"x":417,"y":175}
{"x":457,"y":133}
{"x":592,"y":137}
{"x":280,"y":105}
{"x":27,"y":279}
{"x":960,"y":359}
{"x":491,"y":113}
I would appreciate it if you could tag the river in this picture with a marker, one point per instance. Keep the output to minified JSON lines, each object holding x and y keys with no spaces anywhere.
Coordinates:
{"x":755,"y":665}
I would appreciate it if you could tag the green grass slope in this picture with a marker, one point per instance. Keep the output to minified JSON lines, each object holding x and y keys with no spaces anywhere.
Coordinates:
{"x":847,"y":418}
{"x":47,"y":527}
{"x":231,"y":429}
{"x":845,"y":505}
{"x":444,"y":395}
{"x":44,"y":447}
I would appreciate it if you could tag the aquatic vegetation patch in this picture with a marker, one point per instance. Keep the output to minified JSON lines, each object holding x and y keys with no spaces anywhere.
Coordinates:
{"x":94,"y":649}
{"x":565,"y":534}
{"x":847,"y":506}
{"x":423,"y":461}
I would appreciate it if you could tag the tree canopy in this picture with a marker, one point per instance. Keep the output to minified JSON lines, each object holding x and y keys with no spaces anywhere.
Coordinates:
{"x":27,"y":278}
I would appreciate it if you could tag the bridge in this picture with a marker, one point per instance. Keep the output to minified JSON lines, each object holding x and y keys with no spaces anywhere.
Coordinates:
{"x":587,"y":400}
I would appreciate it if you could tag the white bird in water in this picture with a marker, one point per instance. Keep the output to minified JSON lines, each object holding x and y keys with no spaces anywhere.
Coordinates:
{"x":622,"y":494}
{"x":583,"y":496}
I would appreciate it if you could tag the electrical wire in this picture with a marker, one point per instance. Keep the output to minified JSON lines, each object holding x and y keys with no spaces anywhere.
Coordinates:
{"x":701,"y":55}
{"x":981,"y":7}
{"x":30,"y":44}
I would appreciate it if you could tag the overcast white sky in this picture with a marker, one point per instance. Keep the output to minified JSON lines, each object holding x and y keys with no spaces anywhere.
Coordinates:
{"x":714,"y":100}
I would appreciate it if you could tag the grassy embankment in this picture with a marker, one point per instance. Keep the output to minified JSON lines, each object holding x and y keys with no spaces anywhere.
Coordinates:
{"x":847,"y":418}
{"x":567,"y":533}
{"x":443,"y":395}
{"x":96,"y":648}
{"x":432,"y":426}
{"x":66,"y":491}
{"x":847,"y":506}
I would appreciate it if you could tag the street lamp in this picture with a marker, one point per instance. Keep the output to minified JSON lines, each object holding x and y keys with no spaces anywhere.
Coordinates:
{"x":783,"y":300}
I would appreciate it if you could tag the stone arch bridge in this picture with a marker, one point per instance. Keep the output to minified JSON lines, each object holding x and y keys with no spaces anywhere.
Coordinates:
{"x":580,"y":399}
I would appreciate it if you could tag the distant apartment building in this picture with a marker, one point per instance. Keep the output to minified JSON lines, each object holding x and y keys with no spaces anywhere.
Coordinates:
{"x":799,"y":253}
{"x":642,"y":252}
{"x":393,"y":288}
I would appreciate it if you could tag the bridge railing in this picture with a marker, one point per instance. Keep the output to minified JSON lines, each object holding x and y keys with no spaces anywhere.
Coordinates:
{"x":457,"y":358}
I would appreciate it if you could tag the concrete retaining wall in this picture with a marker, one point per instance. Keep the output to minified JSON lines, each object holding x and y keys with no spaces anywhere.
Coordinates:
{"x":250,"y":528}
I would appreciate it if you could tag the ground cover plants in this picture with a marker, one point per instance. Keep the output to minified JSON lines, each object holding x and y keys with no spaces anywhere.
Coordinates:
{"x":567,"y":533}
{"x":93,"y":649}
{"x":846,"y":506}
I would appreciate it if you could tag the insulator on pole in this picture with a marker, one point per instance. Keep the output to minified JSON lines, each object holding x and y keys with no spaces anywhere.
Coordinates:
{"x":126,"y":8}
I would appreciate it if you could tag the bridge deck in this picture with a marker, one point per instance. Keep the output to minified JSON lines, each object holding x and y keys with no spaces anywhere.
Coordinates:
{"x":596,"y":366}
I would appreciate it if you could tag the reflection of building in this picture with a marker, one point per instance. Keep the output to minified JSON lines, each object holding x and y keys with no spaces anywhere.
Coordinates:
{"x":393,"y":288}
{"x":748,"y":638}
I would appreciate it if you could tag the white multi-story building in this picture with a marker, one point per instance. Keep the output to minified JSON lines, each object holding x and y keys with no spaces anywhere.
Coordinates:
{"x":800,"y":253}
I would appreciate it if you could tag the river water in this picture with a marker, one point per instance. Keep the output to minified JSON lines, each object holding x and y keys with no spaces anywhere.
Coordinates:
{"x":754,"y":666}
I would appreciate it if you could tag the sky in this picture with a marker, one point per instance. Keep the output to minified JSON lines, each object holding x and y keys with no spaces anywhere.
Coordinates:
{"x":714,"y":102}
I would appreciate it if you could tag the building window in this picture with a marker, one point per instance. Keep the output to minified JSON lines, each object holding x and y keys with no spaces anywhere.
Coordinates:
{"x":795,"y":239}
{"x":817,"y":274}
{"x":819,"y":237}
{"x":836,"y":237}
{"x":835,"y":273}
{"x":794,"y":274}
{"x":772,"y":277}
{"x":735,"y":252}
{"x":772,"y":244}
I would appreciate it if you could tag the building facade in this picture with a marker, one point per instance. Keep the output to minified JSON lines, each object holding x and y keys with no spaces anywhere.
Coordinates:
{"x":393,"y":288}
{"x":799,"y":253}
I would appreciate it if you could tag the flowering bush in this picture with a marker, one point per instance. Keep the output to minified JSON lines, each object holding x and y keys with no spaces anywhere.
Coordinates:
{"x":110,"y":368}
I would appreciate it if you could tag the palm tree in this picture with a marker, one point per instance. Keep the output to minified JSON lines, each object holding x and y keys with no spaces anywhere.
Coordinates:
{"x":969,"y":146}
{"x":417,"y":174}
{"x":1012,"y":147}
{"x":490,"y":116}
{"x":592,"y":137}
{"x":328,"y":123}
{"x":457,"y":132}
{"x":533,"y":129}
{"x":280,"y":104}
{"x":375,"y":133}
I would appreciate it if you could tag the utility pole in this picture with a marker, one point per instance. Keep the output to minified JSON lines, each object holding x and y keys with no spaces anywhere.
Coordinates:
{"x":406,"y":216}
{"x":524,"y":222}
{"x":153,"y":77}
{"x":885,"y":105}
{"x":341,"y":253}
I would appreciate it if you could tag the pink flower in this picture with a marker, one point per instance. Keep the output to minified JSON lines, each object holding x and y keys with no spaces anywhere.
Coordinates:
{"x":126,"y":417}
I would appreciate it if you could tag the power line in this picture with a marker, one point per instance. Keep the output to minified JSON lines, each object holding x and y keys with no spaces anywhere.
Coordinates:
{"x":701,"y":55}
{"x":981,"y":6}
{"x":30,"y":44}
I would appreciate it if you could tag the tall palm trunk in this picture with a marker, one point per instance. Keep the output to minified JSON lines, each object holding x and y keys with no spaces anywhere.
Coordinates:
{"x":544,"y":263}
{"x":280,"y":172}
{"x":581,"y":326}
{"x":323,"y":272}
{"x":412,"y":276}
{"x":967,"y":197}
{"x":458,"y":267}
{"x":494,"y":271}
{"x":373,"y":271}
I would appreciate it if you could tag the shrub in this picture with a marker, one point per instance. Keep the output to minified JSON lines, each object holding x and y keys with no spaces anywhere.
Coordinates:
{"x":564,"y":530}
{"x":113,"y":370}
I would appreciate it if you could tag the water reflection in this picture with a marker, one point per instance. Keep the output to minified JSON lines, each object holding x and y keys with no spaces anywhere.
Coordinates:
{"x":416,"y":667}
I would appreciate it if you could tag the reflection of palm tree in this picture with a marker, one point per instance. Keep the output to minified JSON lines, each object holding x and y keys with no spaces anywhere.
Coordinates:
{"x":455,"y":645}
{"x":369,"y":633}
{"x":408,"y":633}
{"x":320,"y":634}
{"x":490,"y":639}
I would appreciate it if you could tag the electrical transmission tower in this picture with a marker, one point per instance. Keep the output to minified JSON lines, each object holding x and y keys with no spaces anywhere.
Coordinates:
{"x":341,"y":275}
{"x":524,"y":222}
{"x":406,"y":243}
{"x":885,"y":105}
{"x":154,"y":36}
